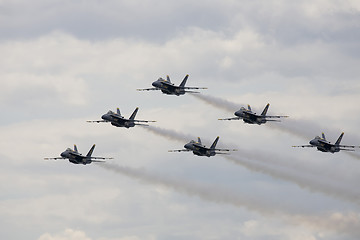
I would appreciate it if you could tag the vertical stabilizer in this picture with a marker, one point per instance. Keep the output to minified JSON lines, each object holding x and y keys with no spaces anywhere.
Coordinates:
{"x":199,"y":140}
{"x":118,"y":111}
{"x":339,"y":139}
{"x":132,"y":117}
{"x":75,"y":148}
{"x":323,"y":136}
{"x":182,"y":84}
{"x":90,"y":151}
{"x":214,"y":143}
{"x":249,"y":108}
{"x":265,"y":110}
{"x":168,"y":78}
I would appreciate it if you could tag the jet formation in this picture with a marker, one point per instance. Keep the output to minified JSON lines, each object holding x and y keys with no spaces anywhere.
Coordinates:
{"x":248,"y":116}
{"x":325,"y":146}
{"x":201,"y":150}
{"x":167,"y":87}
{"x":77,"y":158}
{"x":116,"y":119}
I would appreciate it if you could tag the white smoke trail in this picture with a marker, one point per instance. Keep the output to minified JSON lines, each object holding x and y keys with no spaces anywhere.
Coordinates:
{"x":301,"y":128}
{"x":330,"y":183}
{"x":209,"y":193}
{"x":170,"y":134}
{"x":354,"y":155}
{"x":312,"y":182}
{"x":218,"y":102}
{"x":348,"y":224}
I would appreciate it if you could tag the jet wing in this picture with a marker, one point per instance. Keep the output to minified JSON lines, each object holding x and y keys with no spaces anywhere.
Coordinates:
{"x":147,"y":89}
{"x":272,"y":120}
{"x":97,"y":161}
{"x":97,"y":121}
{"x":234,"y":118}
{"x":191,"y":92}
{"x":345,"y":149}
{"x":275,"y":116}
{"x":195,"y":88}
{"x":349,"y":146}
{"x":145,"y":121}
{"x":100,"y":158}
{"x":181,"y":150}
{"x":225,"y":150}
{"x":303,"y":146}
{"x":55,"y":158}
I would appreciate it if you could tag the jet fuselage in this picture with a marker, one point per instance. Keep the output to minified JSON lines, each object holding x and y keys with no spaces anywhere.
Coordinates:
{"x":168,"y":88}
{"x":323,"y":145}
{"x":249,"y":117}
{"x":199,"y":150}
{"x":75,"y":157}
{"x":118,"y":121}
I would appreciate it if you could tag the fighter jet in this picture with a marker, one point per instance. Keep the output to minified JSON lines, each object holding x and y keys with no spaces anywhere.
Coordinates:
{"x":77,"y":158}
{"x":201,"y":150}
{"x":119,"y":121}
{"x":252,"y":118}
{"x":167,"y":87}
{"x":325,"y":146}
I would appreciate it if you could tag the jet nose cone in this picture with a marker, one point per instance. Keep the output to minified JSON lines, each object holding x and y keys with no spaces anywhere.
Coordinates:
{"x":106,"y":117}
{"x":188,"y":146}
{"x":156,"y":84}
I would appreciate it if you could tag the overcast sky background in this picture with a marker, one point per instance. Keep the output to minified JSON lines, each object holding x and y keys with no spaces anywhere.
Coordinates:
{"x":65,"y":62}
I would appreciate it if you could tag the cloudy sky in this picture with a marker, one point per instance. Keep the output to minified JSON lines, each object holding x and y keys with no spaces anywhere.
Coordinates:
{"x":65,"y":62}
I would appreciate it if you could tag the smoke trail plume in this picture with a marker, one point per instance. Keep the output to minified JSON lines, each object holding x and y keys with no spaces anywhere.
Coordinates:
{"x":304,"y":180}
{"x":335,"y":222}
{"x":308,"y":177}
{"x":353,"y":155}
{"x":301,"y":128}
{"x":169,"y":134}
{"x":209,"y":193}
{"x":218,"y":102}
